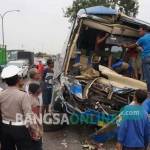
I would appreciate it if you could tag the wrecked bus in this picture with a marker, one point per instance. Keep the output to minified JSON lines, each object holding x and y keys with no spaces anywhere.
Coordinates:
{"x":88,"y":80}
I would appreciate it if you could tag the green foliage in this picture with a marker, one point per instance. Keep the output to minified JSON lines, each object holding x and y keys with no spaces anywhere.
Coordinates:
{"x":130,"y":6}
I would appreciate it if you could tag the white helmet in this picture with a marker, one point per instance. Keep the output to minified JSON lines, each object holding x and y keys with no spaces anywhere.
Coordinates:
{"x":9,"y":71}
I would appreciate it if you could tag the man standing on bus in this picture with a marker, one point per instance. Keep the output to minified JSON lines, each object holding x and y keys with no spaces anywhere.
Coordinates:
{"x":144,"y":43}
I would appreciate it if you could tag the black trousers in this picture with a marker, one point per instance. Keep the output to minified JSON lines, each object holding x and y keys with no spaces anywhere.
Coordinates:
{"x":15,"y":137}
{"x":37,"y":145}
{"x":125,"y":148}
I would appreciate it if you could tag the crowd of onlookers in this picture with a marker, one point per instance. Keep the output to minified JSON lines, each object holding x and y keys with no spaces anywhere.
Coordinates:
{"x":31,"y":97}
{"x":44,"y":76}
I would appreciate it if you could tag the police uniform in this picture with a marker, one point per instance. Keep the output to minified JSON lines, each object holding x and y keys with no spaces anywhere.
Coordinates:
{"x":37,"y":144}
{"x":12,"y":102}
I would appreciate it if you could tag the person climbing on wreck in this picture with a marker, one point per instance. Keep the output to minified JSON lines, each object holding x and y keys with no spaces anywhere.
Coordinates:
{"x":100,"y":48}
{"x":133,"y":58}
{"x":144,"y":43}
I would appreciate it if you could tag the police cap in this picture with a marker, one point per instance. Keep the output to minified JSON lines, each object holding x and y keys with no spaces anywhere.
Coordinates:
{"x":9,"y":71}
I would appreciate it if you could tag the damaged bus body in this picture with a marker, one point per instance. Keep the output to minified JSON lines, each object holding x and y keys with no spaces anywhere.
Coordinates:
{"x":86,"y":80}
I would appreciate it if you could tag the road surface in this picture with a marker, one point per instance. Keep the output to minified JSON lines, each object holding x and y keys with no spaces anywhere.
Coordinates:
{"x":69,"y":138}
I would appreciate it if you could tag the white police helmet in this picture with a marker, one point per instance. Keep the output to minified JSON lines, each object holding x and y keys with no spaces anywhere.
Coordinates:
{"x":9,"y":71}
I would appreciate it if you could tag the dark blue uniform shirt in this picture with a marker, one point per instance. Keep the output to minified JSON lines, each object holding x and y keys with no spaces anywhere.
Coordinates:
{"x":134,"y":130}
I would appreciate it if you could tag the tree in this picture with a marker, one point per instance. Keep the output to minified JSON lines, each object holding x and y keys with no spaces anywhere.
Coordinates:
{"x":130,"y":7}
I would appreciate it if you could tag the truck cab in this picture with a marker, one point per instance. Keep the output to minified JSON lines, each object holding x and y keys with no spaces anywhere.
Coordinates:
{"x":85,"y":77}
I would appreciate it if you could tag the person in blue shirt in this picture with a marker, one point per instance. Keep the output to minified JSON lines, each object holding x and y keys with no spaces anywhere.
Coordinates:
{"x":146,"y":105}
{"x":144,"y":43}
{"x":133,"y":132}
{"x":47,"y":86}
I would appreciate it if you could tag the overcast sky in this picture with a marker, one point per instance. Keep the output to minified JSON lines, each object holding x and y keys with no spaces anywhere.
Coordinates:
{"x":40,"y":24}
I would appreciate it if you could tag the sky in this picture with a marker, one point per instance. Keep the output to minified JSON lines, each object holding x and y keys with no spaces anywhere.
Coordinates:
{"x":40,"y":25}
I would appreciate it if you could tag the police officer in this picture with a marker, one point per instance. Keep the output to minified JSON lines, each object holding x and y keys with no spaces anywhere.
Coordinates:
{"x":13,"y":102}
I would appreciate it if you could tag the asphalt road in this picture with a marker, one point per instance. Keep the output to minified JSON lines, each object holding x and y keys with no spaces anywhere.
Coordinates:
{"x":64,"y":139}
{"x":70,"y":138}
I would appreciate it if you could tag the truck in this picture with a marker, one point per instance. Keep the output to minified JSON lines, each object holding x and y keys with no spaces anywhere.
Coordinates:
{"x":79,"y":85}
{"x":20,"y":55}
